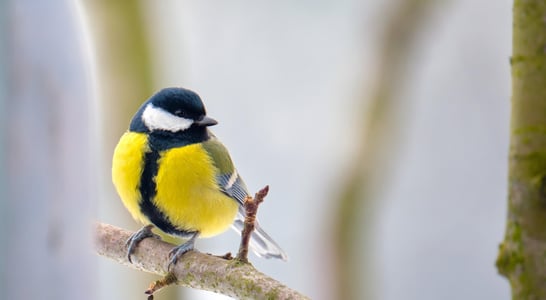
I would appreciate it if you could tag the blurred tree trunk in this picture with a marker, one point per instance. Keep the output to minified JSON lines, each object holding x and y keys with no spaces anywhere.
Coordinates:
{"x":4,"y":14}
{"x":125,"y":80}
{"x":377,"y":139}
{"x":48,"y":157}
{"x":522,"y":254}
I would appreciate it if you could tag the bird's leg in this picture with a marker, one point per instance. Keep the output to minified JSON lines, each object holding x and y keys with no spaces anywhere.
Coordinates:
{"x":178,"y":251}
{"x":132,"y":242}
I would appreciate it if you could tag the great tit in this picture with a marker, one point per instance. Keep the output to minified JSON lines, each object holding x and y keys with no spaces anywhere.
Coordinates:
{"x":172,"y":173}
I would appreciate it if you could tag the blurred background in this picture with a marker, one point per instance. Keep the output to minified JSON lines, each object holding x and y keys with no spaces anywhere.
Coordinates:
{"x":381,"y":127}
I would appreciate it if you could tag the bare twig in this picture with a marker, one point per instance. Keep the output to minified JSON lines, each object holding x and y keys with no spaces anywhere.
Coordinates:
{"x":155,"y":286}
{"x":251,"y":209}
{"x":193,"y":269}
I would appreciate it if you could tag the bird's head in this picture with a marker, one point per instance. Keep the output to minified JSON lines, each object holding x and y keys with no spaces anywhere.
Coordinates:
{"x":172,"y":110}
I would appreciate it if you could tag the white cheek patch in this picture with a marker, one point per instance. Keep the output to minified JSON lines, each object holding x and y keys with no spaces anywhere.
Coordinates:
{"x":156,"y":118}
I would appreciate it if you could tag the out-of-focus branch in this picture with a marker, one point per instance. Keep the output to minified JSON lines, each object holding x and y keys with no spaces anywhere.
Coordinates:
{"x":124,"y":77}
{"x":193,"y":269}
{"x":378,"y":136}
{"x":521,"y":254}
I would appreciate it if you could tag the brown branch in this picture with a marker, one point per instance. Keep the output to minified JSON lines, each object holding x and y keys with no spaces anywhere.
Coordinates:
{"x":194,"y":269}
{"x":251,"y":209}
{"x":165,"y":281}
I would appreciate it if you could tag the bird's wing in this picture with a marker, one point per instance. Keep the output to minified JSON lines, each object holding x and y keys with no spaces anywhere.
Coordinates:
{"x":228,"y":179}
{"x":231,"y":184}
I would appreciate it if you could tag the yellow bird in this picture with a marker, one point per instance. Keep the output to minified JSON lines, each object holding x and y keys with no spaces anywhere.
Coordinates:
{"x":171,"y":172}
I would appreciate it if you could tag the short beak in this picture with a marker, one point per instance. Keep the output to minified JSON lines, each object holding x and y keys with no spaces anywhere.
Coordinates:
{"x":206,"y":121}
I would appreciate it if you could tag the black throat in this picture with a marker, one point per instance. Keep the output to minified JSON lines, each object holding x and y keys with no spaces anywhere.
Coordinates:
{"x":161,"y":140}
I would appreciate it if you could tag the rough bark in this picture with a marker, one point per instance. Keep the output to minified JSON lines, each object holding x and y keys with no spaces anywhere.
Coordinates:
{"x":522,"y":255}
{"x":193,"y":269}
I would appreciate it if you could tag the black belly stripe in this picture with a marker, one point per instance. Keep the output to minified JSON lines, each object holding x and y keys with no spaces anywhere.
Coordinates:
{"x":147,"y":190}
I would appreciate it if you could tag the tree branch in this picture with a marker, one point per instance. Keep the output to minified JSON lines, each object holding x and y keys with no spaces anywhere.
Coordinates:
{"x":251,"y":209}
{"x":521,"y":255}
{"x":194,"y":269}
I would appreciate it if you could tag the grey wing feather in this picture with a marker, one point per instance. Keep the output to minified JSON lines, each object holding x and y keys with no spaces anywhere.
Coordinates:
{"x":233,"y":186}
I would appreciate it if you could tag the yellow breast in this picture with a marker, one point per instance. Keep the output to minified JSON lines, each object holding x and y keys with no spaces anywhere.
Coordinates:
{"x":186,"y":189}
{"x":187,"y":192}
{"x":127,"y":165}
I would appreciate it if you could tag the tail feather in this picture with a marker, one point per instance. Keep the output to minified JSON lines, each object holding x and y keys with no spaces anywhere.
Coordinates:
{"x":260,"y":242}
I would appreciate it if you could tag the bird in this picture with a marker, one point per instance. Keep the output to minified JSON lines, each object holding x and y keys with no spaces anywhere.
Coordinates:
{"x":172,"y":173}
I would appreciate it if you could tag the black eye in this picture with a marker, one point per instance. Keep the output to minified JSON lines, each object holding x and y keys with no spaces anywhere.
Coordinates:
{"x":181,"y":113}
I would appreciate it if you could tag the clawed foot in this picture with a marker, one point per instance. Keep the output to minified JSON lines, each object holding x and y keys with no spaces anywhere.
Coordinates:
{"x":178,"y":251}
{"x":143,"y":233}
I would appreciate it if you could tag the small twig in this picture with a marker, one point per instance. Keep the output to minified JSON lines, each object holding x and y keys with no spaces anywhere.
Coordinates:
{"x":155,"y":286}
{"x":251,"y":209}
{"x":226,"y":256}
